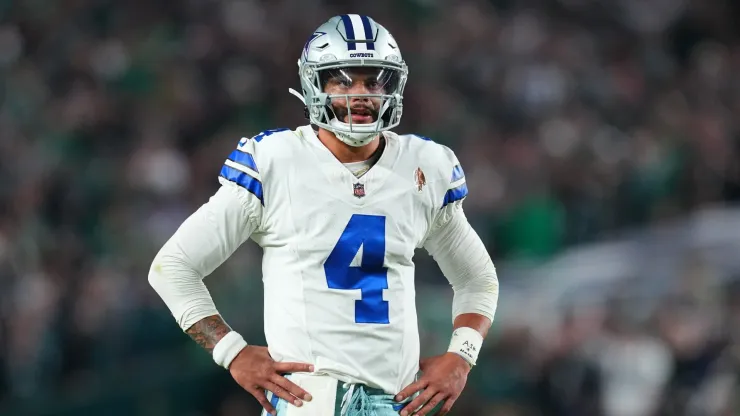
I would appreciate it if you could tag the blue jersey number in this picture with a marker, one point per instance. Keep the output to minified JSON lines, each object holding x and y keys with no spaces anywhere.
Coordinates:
{"x":368,"y":232}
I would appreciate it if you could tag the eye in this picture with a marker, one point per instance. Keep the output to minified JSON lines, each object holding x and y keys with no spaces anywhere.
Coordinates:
{"x":340,"y":82}
{"x":373,"y":84}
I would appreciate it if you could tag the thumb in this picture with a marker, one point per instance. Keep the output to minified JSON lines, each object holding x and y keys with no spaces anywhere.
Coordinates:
{"x":423,"y":363}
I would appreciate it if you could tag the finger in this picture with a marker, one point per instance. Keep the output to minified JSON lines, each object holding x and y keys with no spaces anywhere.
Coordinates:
{"x":418,"y":401}
{"x":291,"y":387}
{"x":283,"y":394}
{"x":431,"y":404}
{"x":447,"y":406}
{"x":411,"y":389}
{"x":293,"y":368}
{"x":262,"y":399}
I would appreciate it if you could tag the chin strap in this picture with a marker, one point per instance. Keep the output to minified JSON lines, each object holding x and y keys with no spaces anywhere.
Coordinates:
{"x":303,"y":100}
{"x":385,"y":108}
{"x":297,"y":94}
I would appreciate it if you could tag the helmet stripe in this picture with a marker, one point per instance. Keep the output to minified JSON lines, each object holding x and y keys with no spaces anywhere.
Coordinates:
{"x":359,"y":31}
{"x":349,"y":30}
{"x":368,"y":32}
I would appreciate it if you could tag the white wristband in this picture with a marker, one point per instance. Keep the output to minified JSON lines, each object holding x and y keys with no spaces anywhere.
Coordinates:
{"x":227,"y":348}
{"x":466,"y":342}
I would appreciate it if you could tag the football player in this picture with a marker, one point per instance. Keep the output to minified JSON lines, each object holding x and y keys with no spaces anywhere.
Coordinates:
{"x":339,"y":206}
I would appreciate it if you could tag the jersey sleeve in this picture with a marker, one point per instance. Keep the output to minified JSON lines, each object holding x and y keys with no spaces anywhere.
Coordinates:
{"x":457,"y":248}
{"x":202,"y":243}
{"x":453,"y":188}
{"x":208,"y":238}
{"x":463,"y":259}
{"x":242,"y":176}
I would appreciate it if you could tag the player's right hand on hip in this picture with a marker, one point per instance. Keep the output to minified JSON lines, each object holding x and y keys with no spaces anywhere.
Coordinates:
{"x":256,"y":372}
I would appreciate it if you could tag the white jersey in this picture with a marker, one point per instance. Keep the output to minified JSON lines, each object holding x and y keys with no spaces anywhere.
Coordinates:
{"x":337,"y":266}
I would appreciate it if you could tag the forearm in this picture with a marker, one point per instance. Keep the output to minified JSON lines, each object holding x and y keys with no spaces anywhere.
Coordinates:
{"x":217,"y":338}
{"x":465,"y":262}
{"x":208,"y":332}
{"x":473,"y":320}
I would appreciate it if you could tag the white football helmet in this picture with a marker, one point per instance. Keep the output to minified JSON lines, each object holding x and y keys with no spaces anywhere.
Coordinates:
{"x":351,"y":41}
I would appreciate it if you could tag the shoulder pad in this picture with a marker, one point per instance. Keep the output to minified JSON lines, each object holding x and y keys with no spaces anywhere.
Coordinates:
{"x":267,"y":133}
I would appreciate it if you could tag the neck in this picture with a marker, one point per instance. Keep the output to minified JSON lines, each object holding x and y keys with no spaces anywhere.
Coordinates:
{"x":344,"y":152}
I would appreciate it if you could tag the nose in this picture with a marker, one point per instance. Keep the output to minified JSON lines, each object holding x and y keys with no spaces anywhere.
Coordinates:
{"x":358,"y":87}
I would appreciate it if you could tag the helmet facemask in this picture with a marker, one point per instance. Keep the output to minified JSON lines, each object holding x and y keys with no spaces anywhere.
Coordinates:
{"x":334,"y":104}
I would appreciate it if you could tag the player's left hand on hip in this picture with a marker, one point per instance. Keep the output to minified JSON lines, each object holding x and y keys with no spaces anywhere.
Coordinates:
{"x":443,"y":378}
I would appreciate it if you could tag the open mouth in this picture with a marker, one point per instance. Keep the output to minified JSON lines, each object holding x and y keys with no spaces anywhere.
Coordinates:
{"x":360,"y":119}
{"x":360,"y":116}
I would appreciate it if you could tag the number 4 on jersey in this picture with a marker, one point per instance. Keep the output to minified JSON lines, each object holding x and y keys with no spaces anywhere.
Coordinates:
{"x":368,"y":232}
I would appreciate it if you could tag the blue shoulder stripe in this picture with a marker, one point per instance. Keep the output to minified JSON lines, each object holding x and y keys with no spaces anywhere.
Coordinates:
{"x":455,"y":194}
{"x":243,"y":158}
{"x":247,"y":182}
{"x":457,"y":173}
{"x":426,"y":139}
{"x":258,"y":138}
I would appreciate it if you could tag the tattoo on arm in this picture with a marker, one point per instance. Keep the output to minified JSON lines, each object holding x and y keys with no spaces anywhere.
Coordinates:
{"x":208,"y":331}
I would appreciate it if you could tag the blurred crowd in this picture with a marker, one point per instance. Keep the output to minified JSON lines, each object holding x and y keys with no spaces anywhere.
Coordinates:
{"x":574,"y":120}
{"x":622,"y":359}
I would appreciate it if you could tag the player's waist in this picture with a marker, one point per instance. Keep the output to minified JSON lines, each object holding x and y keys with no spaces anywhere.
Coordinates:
{"x":334,"y":397}
{"x":342,"y":395}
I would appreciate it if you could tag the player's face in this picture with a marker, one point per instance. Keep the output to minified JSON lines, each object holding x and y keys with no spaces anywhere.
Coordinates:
{"x":361,"y":80}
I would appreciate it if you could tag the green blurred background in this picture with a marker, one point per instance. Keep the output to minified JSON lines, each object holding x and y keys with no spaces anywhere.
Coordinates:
{"x":601,"y":144}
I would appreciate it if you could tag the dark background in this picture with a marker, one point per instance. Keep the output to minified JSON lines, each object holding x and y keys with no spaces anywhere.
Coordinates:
{"x":599,"y":138}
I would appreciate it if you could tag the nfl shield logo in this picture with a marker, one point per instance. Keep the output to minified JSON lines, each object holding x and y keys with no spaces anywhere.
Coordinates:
{"x":359,"y":190}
